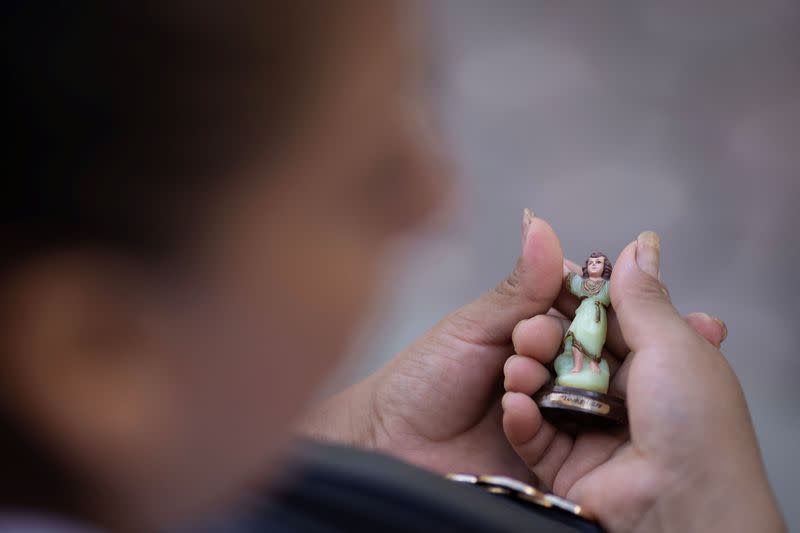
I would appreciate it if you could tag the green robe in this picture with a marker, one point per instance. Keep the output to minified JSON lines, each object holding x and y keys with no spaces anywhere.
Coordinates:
{"x":588,"y":330}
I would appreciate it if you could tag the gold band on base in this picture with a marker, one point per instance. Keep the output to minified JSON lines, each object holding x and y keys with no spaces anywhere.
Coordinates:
{"x":571,"y":409}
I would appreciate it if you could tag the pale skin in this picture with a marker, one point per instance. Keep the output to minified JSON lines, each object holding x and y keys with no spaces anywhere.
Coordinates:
{"x":594,"y":266}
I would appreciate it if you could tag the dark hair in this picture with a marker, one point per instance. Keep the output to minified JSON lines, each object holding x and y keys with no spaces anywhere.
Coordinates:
{"x":118,"y":116}
{"x":119,"y":112}
{"x":607,"y":267}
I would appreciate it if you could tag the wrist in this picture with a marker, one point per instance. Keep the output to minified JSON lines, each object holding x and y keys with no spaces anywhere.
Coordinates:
{"x":345,"y":418}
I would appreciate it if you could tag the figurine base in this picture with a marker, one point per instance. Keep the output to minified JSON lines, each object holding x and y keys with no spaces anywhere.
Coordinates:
{"x":571,"y":409}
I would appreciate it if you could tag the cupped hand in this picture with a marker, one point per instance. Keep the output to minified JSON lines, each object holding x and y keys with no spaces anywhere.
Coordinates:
{"x":689,"y":460}
{"x":437,"y":403}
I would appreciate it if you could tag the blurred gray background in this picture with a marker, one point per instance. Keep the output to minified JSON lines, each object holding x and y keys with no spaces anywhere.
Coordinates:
{"x":608,"y":118}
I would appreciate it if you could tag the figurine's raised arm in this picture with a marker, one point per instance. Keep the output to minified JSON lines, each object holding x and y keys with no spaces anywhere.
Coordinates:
{"x":573,"y":284}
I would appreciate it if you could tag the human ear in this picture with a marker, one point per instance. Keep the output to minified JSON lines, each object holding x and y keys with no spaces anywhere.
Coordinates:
{"x":79,"y":366}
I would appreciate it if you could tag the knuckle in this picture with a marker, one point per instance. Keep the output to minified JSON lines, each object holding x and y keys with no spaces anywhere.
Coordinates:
{"x":518,"y":333}
{"x":507,"y":366}
{"x":648,"y":291}
{"x":510,"y":286}
{"x":464,"y":327}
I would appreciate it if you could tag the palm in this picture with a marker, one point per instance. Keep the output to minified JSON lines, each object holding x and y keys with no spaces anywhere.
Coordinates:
{"x":438,"y":402}
{"x":441,"y":408}
{"x":620,"y":475}
{"x":613,"y":472}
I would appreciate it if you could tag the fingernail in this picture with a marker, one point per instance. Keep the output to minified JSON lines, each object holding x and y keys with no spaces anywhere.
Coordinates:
{"x":527,"y":218}
{"x":723,"y":326}
{"x":648,"y":252}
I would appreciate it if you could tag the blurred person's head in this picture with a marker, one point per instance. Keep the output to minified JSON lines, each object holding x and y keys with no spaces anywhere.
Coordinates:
{"x":197,"y":198}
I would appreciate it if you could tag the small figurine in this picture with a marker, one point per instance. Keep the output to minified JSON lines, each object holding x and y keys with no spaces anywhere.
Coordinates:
{"x":584,"y":340}
{"x":578,"y":398}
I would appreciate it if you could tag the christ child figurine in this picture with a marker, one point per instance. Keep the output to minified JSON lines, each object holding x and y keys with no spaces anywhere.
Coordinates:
{"x":581,"y":364}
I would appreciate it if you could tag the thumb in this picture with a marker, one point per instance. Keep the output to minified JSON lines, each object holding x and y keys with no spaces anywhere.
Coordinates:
{"x":529,"y":290}
{"x":642,"y":305}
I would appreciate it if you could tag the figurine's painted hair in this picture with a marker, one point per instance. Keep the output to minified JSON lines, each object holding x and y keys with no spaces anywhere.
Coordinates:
{"x":607,"y":267}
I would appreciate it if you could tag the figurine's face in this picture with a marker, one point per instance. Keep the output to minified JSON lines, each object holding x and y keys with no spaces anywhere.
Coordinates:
{"x":595,"y":266}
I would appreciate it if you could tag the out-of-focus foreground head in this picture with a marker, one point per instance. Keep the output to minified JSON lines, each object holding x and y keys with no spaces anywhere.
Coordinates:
{"x":197,"y":198}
